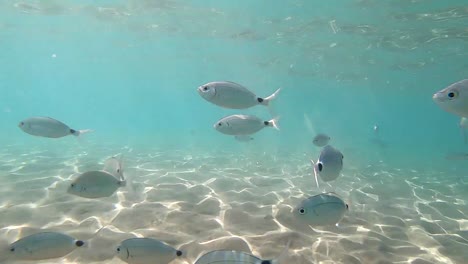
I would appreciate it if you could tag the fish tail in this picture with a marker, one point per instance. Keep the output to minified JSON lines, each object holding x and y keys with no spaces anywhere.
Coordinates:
{"x":274,"y":123}
{"x":266,"y":101}
{"x":80,"y":132}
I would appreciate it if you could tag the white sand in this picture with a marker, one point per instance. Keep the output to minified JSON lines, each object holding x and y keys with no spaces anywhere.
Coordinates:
{"x":200,"y":202}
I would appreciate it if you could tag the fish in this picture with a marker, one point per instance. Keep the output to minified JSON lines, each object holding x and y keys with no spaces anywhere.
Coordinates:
{"x":242,"y":125}
{"x":239,"y":257}
{"x":44,"y":245}
{"x":95,"y":184}
{"x":321,"y":210}
{"x":328,"y":165}
{"x":231,"y":257}
{"x":48,"y":127}
{"x":232,"y":95}
{"x":114,"y":166}
{"x":321,"y":140}
{"x":146,"y":251}
{"x":453,"y":98}
{"x":376,"y":129}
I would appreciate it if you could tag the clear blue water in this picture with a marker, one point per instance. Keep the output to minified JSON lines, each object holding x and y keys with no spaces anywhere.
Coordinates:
{"x":130,"y":69}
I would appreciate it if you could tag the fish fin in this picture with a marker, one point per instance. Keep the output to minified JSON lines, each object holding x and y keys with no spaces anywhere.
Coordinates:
{"x":315,"y":173}
{"x":123,"y":183}
{"x":274,"y":123}
{"x":121,"y":170}
{"x":80,"y":132}
{"x":266,"y":101}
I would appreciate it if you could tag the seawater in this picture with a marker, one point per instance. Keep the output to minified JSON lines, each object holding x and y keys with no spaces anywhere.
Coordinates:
{"x":129,"y":70}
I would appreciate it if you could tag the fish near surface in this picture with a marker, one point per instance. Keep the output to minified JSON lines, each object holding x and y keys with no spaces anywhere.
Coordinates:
{"x":232,"y":95}
{"x":321,"y":210}
{"x":242,"y":125}
{"x":44,"y":245}
{"x":48,"y":127}
{"x":454,"y":98}
{"x":146,"y":251}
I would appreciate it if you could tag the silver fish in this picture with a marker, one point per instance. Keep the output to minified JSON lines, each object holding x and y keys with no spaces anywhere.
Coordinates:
{"x":231,"y":257}
{"x":454,"y":98}
{"x":45,"y":245}
{"x":146,"y":251}
{"x":95,"y":184}
{"x":328,"y":165}
{"x":321,"y":140}
{"x":48,"y":127}
{"x":241,"y":125}
{"x":232,"y":95}
{"x":321,"y":210}
{"x":114,"y":166}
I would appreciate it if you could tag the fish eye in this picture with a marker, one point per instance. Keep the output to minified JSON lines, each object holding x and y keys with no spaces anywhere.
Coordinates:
{"x":452,"y":94}
{"x":79,"y":243}
{"x":12,"y":249}
{"x":72,"y":185}
{"x":118,"y":170}
{"x":320,"y":166}
{"x":302,"y":210}
{"x":179,"y":253}
{"x":347,"y":207}
{"x":22,"y":123}
{"x":205,"y":88}
{"x":219,"y":124}
{"x":118,"y":249}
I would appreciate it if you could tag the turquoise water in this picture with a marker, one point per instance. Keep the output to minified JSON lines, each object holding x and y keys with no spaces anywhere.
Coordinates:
{"x":129,"y":70}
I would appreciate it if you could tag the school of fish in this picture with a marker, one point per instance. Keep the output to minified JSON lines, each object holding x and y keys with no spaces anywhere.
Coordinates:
{"x":322,"y":209}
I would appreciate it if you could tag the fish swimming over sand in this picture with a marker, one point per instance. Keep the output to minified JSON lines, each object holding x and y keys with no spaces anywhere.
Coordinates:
{"x":95,"y":184}
{"x":230,"y":256}
{"x":45,"y":245}
{"x":239,"y":257}
{"x":100,"y":183}
{"x":114,"y":166}
{"x":232,"y":95}
{"x":146,"y":251}
{"x":48,"y":127}
{"x":321,"y":140}
{"x":328,"y":165}
{"x":242,"y":125}
{"x":321,"y":210}
{"x":454,"y":98}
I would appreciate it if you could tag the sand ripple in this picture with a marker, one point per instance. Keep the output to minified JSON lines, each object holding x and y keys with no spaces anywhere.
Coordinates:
{"x":201,"y":202}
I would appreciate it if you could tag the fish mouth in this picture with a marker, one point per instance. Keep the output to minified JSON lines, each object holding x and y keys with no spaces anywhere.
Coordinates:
{"x":439,"y":97}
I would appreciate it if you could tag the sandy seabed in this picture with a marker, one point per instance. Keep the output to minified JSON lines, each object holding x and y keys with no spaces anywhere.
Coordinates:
{"x":198,"y":202}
